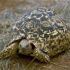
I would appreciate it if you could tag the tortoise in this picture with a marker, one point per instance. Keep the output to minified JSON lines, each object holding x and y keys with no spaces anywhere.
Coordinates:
{"x":40,"y":34}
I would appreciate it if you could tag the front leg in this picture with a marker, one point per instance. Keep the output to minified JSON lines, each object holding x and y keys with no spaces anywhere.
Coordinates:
{"x":41,"y":56}
{"x":11,"y":48}
{"x":9,"y":51}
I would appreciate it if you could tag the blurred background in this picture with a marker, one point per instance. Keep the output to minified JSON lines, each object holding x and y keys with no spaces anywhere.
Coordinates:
{"x":10,"y":12}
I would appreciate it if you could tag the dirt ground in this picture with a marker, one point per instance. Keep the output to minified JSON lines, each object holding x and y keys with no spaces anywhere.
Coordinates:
{"x":10,"y":11}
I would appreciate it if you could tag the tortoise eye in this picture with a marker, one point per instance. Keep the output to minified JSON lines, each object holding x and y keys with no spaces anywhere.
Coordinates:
{"x":33,"y":46}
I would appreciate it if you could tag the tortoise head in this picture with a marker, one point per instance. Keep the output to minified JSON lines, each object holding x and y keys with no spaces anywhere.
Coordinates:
{"x":25,"y":47}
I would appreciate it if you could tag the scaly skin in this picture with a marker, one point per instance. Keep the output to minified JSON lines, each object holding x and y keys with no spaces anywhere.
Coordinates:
{"x":11,"y":48}
{"x":9,"y":51}
{"x":41,"y":56}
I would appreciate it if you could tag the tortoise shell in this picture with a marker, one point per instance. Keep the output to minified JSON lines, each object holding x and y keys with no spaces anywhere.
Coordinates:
{"x":47,"y":32}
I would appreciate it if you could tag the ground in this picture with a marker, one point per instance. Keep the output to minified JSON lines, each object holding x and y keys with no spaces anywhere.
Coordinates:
{"x":10,"y":11}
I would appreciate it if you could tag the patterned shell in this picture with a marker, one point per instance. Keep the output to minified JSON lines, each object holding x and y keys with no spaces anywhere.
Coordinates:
{"x":41,"y":27}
